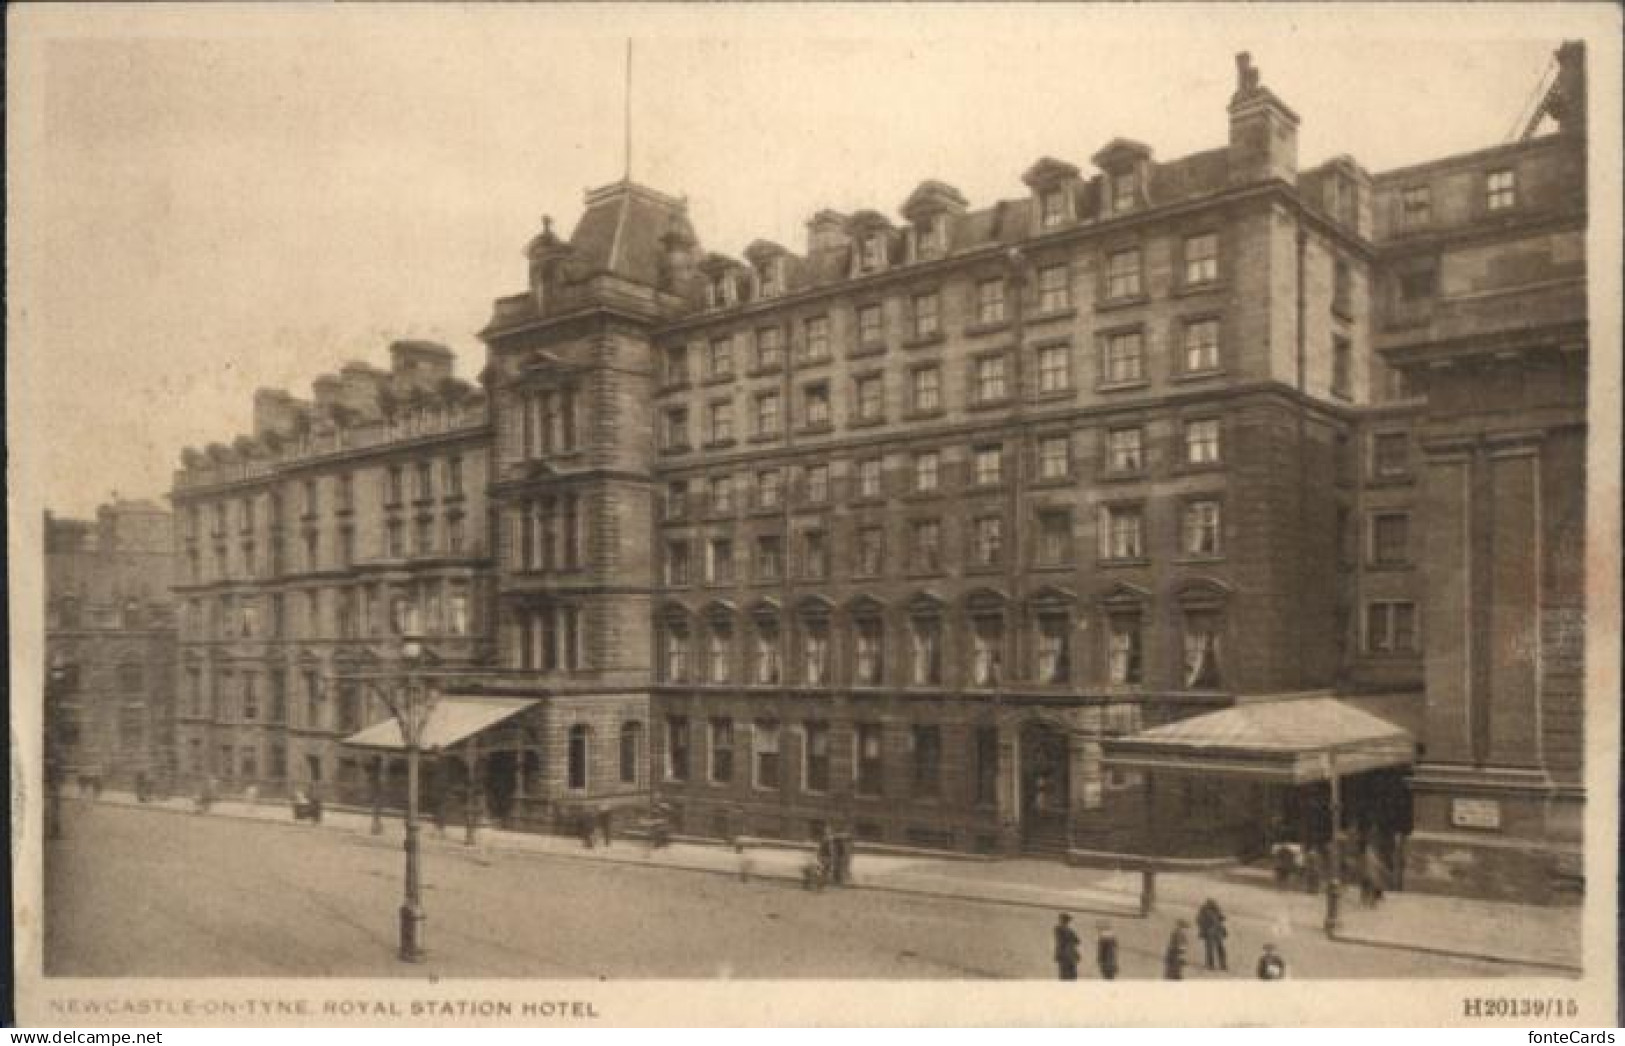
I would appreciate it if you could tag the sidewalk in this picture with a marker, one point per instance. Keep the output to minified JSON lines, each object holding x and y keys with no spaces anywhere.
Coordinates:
{"x":1519,"y":934}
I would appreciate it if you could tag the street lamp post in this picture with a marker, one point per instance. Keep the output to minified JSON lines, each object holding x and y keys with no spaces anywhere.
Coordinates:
{"x":1334,"y":850}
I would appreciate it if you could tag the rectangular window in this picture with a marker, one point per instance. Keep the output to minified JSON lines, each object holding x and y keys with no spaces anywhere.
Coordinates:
{"x":815,"y":405}
{"x":925,"y":384}
{"x":425,"y":472}
{"x":814,"y":554}
{"x":815,"y":756}
{"x":454,"y":477}
{"x":1054,"y":537}
{"x":1201,"y":346}
{"x":677,"y":563}
{"x":1390,"y":539}
{"x":988,"y":464}
{"x":1415,"y":206}
{"x":870,"y":551}
{"x":719,"y":492}
{"x":987,"y":765}
{"x":1390,"y":454}
{"x":988,"y":550}
{"x":677,"y":748}
{"x":869,"y":478}
{"x":722,"y":751}
{"x":1390,"y":628}
{"x":816,"y":489}
{"x":989,"y":379}
{"x":1054,"y":289}
{"x":719,"y":561}
{"x":1123,"y":274}
{"x":1054,"y":368}
{"x":1123,"y":532}
{"x":1202,"y":528}
{"x":765,"y":746}
{"x":927,"y":316}
{"x":1201,"y":650}
{"x":1125,"y":450}
{"x":767,"y":414}
{"x":871,"y":326}
{"x":769,"y":348}
{"x":867,"y":763}
{"x":1125,"y":191}
{"x":932,"y":235}
{"x":769,"y":488}
{"x":925,"y":548}
{"x":1125,"y":360}
{"x":816,"y":346}
{"x":927,"y":472}
{"x":394,"y":539}
{"x":719,"y":361}
{"x":1052,"y":208}
{"x":815,"y":653}
{"x":872,"y":252}
{"x":1201,"y":259}
{"x":769,"y":557}
{"x":677,"y":499}
{"x":871,"y":397}
{"x":1202,"y":442}
{"x":925,"y":747}
{"x":311,"y":502}
{"x":987,"y":650}
{"x":718,"y":654}
{"x":990,"y":301}
{"x":722,"y":421}
{"x":1342,"y":287}
{"x":1501,"y":189}
{"x":1054,"y":457}
{"x":677,"y":429}
{"x":394,"y":486}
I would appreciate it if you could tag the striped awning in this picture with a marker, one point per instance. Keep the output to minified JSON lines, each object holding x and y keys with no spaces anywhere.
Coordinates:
{"x":1294,"y":741}
{"x":454,"y":719}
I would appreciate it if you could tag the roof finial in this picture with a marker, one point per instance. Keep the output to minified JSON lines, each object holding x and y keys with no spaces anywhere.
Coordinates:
{"x":1246,"y":73}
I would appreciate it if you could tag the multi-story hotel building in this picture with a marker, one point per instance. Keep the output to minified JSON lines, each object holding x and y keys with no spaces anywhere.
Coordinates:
{"x":903,"y":531}
{"x":304,"y":549}
{"x":110,"y":642}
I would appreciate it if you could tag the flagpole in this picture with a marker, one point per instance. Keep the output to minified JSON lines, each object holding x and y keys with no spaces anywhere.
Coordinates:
{"x":627,"y":92}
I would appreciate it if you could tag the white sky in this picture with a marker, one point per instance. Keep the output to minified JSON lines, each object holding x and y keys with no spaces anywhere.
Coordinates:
{"x":219,"y":199}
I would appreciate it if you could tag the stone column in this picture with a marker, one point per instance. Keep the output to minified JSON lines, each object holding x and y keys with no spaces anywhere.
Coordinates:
{"x":1008,"y":791}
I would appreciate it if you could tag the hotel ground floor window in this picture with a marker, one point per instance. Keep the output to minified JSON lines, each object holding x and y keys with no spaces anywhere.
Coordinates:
{"x":631,"y":751}
{"x":816,"y":754}
{"x":925,"y":744}
{"x":766,"y":747}
{"x":579,"y":737}
{"x":867,"y":764}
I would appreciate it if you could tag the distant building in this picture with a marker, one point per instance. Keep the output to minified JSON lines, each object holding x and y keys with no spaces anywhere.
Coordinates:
{"x":110,"y":641}
{"x":306,"y":550}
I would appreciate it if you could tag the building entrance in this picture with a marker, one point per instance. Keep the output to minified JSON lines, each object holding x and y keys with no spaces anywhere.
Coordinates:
{"x":1045,"y":787}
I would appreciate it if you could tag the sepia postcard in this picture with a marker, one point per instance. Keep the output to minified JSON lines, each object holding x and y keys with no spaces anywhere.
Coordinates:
{"x":724,"y":514}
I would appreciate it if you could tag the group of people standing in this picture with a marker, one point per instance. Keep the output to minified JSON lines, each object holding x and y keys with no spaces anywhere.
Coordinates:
{"x":1210,"y":927}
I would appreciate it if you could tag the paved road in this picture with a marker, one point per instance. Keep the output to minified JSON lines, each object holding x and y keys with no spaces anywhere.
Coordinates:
{"x":135,"y":892}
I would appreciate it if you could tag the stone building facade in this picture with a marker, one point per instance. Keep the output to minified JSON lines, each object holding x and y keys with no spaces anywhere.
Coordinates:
{"x":305,"y":550}
{"x":1483,"y":307}
{"x":110,"y":642}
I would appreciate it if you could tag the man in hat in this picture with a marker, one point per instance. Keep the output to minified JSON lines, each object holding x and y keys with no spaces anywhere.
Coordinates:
{"x":1106,"y":952}
{"x":1066,"y":948}
{"x":1173,"y":959}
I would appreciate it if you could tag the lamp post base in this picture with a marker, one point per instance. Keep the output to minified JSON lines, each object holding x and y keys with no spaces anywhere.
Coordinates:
{"x":412,"y":920}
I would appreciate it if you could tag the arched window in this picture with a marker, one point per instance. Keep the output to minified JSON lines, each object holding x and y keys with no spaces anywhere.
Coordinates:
{"x":1202,"y":609}
{"x":986,"y":610}
{"x":579,"y":736}
{"x":813,"y":619}
{"x":925,"y":640}
{"x":765,"y":650}
{"x":868,"y":643}
{"x":631,"y":752}
{"x":719,"y":643}
{"x":1125,"y":610}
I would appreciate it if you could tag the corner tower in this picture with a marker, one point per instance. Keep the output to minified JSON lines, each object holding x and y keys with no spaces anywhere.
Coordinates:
{"x":569,"y":373}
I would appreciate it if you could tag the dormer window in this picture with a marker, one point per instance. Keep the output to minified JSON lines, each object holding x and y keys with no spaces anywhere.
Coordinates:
{"x":1052,"y":208}
{"x":872,"y":256}
{"x":932,"y":236}
{"x":770,"y":278}
{"x":721,"y":292}
{"x":1125,"y":191}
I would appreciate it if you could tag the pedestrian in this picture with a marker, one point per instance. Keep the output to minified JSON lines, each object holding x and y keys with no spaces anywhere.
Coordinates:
{"x":1312,"y":865}
{"x":1373,"y":876}
{"x":606,"y":824}
{"x":1271,"y":967}
{"x":826,"y":856}
{"x":143,"y":787}
{"x":1210,"y":927}
{"x":1106,"y":952}
{"x":584,"y":828}
{"x":745,"y":863}
{"x":1173,"y":959}
{"x":205,"y":795}
{"x":1066,"y":948}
